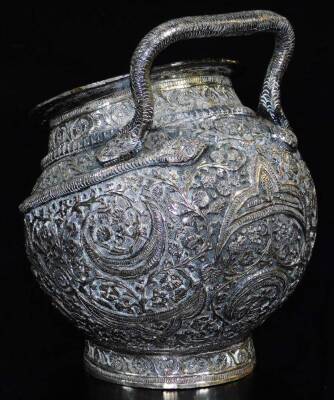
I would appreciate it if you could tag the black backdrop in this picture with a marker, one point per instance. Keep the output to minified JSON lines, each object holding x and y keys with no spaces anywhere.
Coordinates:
{"x":52,"y":48}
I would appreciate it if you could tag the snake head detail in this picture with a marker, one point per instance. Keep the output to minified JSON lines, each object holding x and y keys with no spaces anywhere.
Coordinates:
{"x":120,"y":148}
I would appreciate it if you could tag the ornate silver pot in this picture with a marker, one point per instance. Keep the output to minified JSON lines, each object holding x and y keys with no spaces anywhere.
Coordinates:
{"x":170,"y":221}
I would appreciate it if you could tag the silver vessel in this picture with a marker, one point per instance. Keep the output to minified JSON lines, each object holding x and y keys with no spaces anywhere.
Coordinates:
{"x":169,"y":219}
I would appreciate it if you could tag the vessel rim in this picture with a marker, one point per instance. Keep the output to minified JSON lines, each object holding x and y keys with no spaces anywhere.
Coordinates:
{"x":85,"y":93}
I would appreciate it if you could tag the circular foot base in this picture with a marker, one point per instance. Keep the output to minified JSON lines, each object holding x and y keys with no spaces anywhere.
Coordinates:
{"x":172,"y":371}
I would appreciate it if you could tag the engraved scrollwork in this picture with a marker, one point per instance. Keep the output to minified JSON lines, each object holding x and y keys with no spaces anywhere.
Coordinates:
{"x":250,"y":300}
{"x":133,"y":256}
{"x":172,"y":370}
{"x":168,"y":260}
{"x":81,"y":126}
{"x":66,"y":169}
{"x":288,"y":240}
{"x":70,"y":136}
{"x":266,"y":197}
{"x":228,"y":157}
{"x":120,"y":240}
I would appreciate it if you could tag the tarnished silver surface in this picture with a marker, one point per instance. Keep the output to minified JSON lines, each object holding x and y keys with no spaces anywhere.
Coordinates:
{"x":172,"y":371}
{"x":167,"y":237}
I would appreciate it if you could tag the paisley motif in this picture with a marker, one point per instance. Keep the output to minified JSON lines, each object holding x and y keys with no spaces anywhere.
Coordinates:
{"x":266,"y":197}
{"x":122,"y":241}
{"x":168,"y":260}
{"x":251,"y":299}
{"x":278,"y":240}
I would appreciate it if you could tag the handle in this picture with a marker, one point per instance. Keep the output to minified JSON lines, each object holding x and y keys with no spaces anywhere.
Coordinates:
{"x":235,"y":24}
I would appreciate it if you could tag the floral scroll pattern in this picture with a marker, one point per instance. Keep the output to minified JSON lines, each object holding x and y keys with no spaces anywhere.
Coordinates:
{"x":184,"y":369}
{"x":185,"y":248}
{"x":186,"y":264}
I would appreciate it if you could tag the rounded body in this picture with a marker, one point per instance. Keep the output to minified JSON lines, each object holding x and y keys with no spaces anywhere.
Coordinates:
{"x":168,"y":260}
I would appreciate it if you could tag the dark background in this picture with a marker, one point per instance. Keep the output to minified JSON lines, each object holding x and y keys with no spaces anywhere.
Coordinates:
{"x":52,"y":48}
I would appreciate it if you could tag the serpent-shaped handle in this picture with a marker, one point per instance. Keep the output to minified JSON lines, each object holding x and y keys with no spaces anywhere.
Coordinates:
{"x":129,"y":140}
